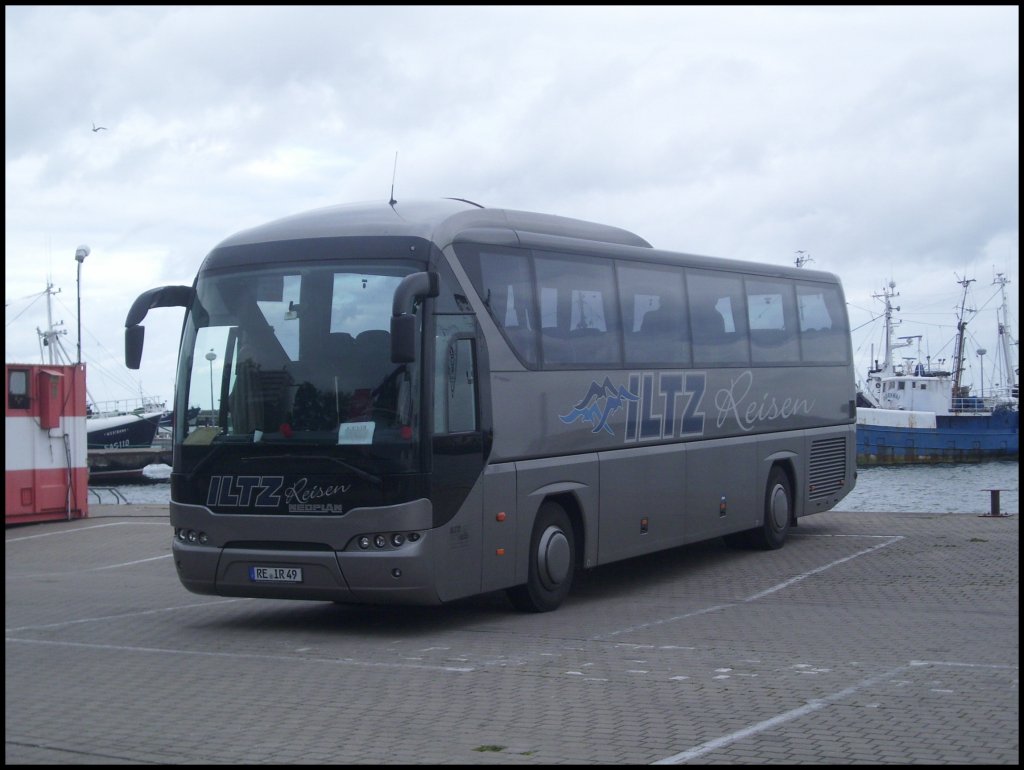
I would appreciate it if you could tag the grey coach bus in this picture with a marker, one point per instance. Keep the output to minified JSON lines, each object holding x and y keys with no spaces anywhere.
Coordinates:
{"x":417,"y":402}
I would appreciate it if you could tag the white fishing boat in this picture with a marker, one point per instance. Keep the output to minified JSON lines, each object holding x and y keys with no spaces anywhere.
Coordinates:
{"x":916,"y":411}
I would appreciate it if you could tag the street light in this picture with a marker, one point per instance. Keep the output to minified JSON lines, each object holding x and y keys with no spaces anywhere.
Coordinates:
{"x":80,"y":254}
{"x":211,"y":356}
{"x":981,"y":355}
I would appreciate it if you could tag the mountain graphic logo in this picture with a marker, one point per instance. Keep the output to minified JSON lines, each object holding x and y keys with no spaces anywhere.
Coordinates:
{"x":600,"y":403}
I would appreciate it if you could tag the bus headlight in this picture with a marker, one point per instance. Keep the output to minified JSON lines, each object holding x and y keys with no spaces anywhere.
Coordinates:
{"x":191,"y":536}
{"x":384,"y":540}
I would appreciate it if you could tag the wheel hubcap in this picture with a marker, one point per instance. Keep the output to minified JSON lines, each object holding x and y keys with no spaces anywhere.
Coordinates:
{"x":553,"y":557}
{"x":779,"y":510}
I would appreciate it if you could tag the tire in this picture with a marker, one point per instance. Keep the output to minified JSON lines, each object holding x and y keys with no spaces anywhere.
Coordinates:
{"x":778,"y":507}
{"x":552,"y":562}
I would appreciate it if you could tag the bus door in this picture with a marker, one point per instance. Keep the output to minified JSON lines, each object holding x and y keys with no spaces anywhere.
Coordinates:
{"x":457,"y":456}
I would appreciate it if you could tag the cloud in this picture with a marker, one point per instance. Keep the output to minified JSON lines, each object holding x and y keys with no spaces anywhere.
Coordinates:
{"x":882,"y":141}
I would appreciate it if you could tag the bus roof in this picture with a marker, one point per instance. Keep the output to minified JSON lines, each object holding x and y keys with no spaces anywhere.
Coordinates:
{"x":440,"y":221}
{"x":445,"y":220}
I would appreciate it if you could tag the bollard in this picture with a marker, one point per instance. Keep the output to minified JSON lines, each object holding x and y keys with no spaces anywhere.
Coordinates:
{"x":994,"y":504}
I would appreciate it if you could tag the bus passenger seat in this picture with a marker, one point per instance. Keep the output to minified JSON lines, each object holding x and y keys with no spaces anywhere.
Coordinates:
{"x":372,"y":352}
{"x":556,"y":346}
{"x":340,"y":344}
{"x":274,"y":385}
{"x":586,"y":345}
{"x":709,"y":335}
{"x":337,"y":362}
{"x":708,"y":324}
{"x":658,"y":323}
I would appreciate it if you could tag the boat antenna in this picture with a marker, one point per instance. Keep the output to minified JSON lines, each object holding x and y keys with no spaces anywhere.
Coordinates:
{"x":803,"y":258}
{"x":394,"y":171}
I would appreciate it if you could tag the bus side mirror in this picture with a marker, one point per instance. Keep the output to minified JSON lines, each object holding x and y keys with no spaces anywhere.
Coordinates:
{"x":133,"y":337}
{"x":403,"y":321}
{"x":165,"y":296}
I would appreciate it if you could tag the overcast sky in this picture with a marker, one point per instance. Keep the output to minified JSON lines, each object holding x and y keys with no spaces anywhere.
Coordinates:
{"x":882,"y":142}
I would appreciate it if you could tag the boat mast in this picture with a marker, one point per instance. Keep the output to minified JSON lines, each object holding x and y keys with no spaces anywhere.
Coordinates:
{"x":1009,"y":375}
{"x":51,"y":337}
{"x":887,"y":294}
{"x":958,"y":357}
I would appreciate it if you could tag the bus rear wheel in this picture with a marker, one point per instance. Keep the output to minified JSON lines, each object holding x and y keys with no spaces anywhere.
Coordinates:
{"x":778,"y":509}
{"x":552,"y":562}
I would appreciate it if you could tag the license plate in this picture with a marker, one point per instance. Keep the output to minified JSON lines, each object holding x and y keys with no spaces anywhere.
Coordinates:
{"x":275,"y":574}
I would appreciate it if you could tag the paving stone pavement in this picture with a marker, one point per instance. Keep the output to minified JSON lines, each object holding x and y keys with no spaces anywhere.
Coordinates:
{"x":870,"y":638}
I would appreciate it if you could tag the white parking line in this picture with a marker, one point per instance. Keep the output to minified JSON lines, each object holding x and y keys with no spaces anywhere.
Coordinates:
{"x":760,"y":595}
{"x":86,"y":569}
{"x":767,"y":724}
{"x":243,"y":655}
{"x":140,"y":613}
{"x":830,"y":565}
{"x":64,"y":532}
{"x":811,"y":706}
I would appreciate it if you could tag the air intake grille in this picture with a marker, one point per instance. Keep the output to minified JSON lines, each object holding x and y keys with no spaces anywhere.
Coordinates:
{"x":828,"y":467}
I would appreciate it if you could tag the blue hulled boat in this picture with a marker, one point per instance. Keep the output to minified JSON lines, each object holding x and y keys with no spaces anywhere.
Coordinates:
{"x":916,"y":413}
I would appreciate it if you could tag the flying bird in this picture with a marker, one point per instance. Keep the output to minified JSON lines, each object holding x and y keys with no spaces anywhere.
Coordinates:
{"x":98,"y":128}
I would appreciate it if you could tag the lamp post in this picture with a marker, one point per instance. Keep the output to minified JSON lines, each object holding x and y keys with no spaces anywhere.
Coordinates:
{"x":211,"y":356}
{"x":80,"y":254}
{"x":981,"y":356}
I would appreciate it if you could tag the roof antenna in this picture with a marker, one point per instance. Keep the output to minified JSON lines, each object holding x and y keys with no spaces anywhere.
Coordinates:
{"x":392,"y":202}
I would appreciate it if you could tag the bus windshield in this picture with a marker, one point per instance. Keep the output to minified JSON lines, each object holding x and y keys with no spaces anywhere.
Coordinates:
{"x":298,"y":354}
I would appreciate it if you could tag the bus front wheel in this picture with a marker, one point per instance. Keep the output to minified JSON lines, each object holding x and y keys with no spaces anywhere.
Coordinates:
{"x":552,"y":562}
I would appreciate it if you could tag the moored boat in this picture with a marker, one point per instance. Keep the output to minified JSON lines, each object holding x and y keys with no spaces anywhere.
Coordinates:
{"x":915,"y":412}
{"x":108,"y":430}
{"x":121,"y":444}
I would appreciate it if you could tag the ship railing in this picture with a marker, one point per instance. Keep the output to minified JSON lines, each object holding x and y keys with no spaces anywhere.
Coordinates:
{"x":1003,"y":397}
{"x":971,"y":404}
{"x":986,"y":405}
{"x":126,"y":406}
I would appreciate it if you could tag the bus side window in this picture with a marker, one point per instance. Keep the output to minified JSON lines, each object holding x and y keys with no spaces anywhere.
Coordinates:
{"x":578,"y":309}
{"x":771,"y":308}
{"x":653,"y":308}
{"x":824,"y":336}
{"x":718,"y":317}
{"x":461,"y":386}
{"x":508,"y":293}
{"x":455,"y":399}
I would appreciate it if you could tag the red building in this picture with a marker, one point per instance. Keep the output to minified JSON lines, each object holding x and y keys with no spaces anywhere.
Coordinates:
{"x":45,"y":454}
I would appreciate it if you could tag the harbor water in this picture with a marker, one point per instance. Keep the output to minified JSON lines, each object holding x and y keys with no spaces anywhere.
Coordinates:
{"x":946,"y":488}
{"x":953,"y":488}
